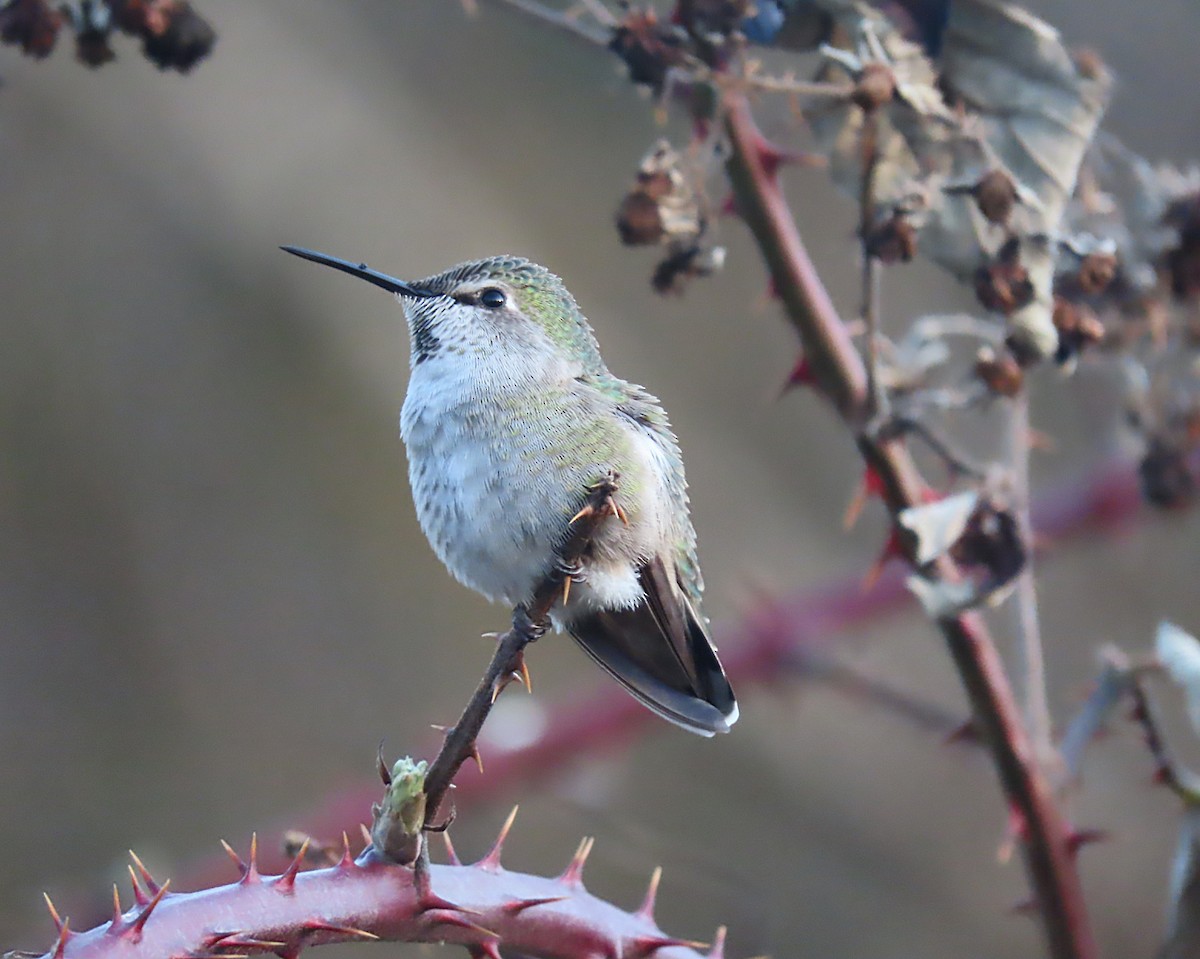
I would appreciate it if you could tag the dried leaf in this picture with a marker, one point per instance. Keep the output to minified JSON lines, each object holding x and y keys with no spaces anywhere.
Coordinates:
{"x":1183,"y":921}
{"x":939,"y":525}
{"x":1179,"y":653}
{"x":1091,"y":719}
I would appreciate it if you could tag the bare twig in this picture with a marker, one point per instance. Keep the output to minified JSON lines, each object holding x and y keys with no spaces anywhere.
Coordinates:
{"x":1047,"y":841}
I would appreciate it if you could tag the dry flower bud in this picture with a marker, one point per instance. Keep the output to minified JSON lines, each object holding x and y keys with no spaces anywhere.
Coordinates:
{"x":1096,"y":272}
{"x":662,"y":207}
{"x":638,"y":220}
{"x":1167,"y":480}
{"x":996,"y":195}
{"x":894,"y":240}
{"x":1078,"y":327}
{"x":1000,"y":372}
{"x":686,"y":263}
{"x":875,"y":87}
{"x":648,"y":48}
{"x":1003,"y":286}
{"x":31,"y":25}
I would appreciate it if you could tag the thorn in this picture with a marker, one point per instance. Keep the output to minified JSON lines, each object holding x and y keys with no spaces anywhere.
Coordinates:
{"x":249,"y":942}
{"x":252,"y":866}
{"x":520,"y":905}
{"x":237,"y":860}
{"x":892,"y":549}
{"x":648,"y":945}
{"x":316,"y":925}
{"x":477,"y":756}
{"x":1017,"y":830}
{"x":382,"y":766}
{"x":118,"y":915}
{"x":1025,"y":907}
{"x":647,"y":908}
{"x":453,"y":917}
{"x":566,"y":592}
{"x":60,"y":944}
{"x":430,"y":902}
{"x":966,"y":733}
{"x":287,"y":881}
{"x":491,"y":862}
{"x":586,"y":511}
{"x":148,"y":879}
{"x":138,"y":895}
{"x":572,"y":876}
{"x":366,"y":833}
{"x":1084,"y":837}
{"x":854,"y":508}
{"x":451,"y":855}
{"x":503,"y":682}
{"x":801,"y":373}
{"x":526,"y":677}
{"x":615,"y":508}
{"x":488,"y":949}
{"x":142,"y":917}
{"x":347,"y":860}
{"x":718,"y":945}
{"x":58,"y":923}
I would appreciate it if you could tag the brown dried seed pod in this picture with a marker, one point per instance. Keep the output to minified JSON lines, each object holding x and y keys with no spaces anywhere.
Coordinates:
{"x":648,"y":48}
{"x":996,"y":195}
{"x":1167,"y":480}
{"x":894,"y":240}
{"x":1000,"y":372}
{"x":1003,"y":286}
{"x":31,"y":25}
{"x":663,"y":206}
{"x":875,"y":87}
{"x":1096,"y":272}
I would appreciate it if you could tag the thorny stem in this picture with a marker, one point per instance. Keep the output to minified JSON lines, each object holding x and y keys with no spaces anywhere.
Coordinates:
{"x":839,"y":374}
{"x":482,"y":906}
{"x":528,"y":623}
{"x":1166,"y":771}
{"x":1024,"y":602}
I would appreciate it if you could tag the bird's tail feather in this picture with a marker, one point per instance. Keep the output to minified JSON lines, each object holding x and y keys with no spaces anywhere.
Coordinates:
{"x":660,"y":652}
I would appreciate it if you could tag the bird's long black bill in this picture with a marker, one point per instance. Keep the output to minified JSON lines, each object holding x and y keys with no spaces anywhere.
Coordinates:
{"x":362,"y":271}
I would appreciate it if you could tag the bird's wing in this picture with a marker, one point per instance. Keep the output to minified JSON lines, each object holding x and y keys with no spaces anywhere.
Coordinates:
{"x":660,"y":651}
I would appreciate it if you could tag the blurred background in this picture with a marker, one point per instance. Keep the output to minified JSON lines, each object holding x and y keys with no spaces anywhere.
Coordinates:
{"x":214,"y":596}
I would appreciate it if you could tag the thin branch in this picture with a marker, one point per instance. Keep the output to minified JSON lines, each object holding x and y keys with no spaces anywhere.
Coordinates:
{"x":1047,"y":846}
{"x":508,"y":663}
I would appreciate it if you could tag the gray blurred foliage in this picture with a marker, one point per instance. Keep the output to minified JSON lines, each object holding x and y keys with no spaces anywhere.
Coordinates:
{"x":214,"y":598}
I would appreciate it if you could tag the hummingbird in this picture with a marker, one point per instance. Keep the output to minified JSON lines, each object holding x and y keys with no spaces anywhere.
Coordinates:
{"x":510,"y":417}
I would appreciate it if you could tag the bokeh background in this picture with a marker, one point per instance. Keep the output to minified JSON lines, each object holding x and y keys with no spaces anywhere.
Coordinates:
{"x":215,"y":599}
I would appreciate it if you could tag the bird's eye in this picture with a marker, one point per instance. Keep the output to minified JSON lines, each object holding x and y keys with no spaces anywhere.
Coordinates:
{"x":493,"y":298}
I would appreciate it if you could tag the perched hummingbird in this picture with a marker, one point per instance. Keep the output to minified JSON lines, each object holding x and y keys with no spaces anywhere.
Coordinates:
{"x":511,"y":415}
